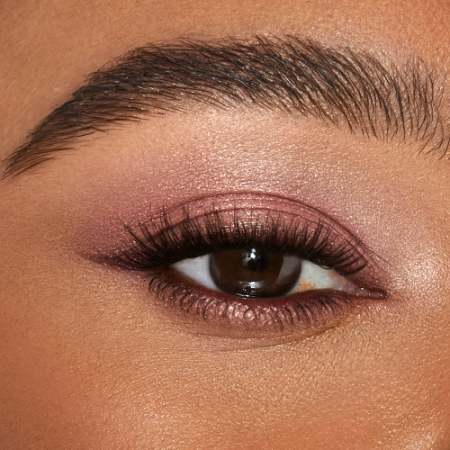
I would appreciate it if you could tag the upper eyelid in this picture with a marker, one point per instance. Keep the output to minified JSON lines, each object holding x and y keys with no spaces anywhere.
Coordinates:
{"x":236,"y":206}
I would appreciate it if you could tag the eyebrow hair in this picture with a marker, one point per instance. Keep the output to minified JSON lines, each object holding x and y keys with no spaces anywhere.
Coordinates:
{"x":339,"y":86}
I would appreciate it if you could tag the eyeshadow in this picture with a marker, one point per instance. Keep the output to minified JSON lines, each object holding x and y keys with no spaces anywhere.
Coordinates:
{"x":145,"y":170}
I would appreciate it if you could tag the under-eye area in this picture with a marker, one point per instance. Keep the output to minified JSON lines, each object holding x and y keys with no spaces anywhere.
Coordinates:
{"x":249,"y":264}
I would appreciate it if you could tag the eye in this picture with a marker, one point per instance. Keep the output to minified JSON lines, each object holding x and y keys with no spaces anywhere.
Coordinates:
{"x":255,"y":272}
{"x":244,"y":268}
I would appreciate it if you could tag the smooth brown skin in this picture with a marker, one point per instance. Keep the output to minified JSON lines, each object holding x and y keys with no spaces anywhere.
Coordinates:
{"x":86,"y":361}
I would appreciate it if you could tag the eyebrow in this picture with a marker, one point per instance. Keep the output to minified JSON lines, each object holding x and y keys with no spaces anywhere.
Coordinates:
{"x":340,"y":86}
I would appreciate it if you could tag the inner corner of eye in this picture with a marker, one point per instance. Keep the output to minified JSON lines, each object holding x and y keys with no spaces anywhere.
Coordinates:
{"x":259,"y":273}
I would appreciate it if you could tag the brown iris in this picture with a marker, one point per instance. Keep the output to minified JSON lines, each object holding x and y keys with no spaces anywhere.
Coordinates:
{"x":253,"y":272}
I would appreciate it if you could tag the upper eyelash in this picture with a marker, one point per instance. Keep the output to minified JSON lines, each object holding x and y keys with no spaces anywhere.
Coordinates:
{"x":161,"y":243}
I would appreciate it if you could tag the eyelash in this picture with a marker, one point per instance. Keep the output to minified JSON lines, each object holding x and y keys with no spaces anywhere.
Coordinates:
{"x":159,"y":244}
{"x":162,"y":244}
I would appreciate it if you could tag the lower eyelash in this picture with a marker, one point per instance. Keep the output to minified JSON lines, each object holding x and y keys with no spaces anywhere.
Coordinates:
{"x":309,"y":310}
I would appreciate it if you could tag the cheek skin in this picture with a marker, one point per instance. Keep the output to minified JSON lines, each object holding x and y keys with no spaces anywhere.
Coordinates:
{"x":126,"y":377}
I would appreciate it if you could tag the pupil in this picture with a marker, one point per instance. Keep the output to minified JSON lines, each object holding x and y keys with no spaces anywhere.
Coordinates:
{"x":253,"y":272}
{"x":255,"y":260}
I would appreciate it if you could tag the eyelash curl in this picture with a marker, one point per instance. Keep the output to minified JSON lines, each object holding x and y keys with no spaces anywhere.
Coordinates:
{"x":156,"y":245}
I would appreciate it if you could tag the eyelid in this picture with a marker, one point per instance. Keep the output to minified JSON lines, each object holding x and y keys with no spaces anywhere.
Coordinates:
{"x":230,"y":316}
{"x":158,"y":232}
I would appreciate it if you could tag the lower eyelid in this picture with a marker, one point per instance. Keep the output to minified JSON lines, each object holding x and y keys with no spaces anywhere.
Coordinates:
{"x":228,"y":315}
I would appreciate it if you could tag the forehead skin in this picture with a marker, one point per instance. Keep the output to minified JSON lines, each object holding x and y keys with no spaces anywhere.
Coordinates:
{"x":58,"y":392}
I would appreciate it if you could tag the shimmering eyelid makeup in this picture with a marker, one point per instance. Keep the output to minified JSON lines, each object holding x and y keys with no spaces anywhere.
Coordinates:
{"x":277,"y":226}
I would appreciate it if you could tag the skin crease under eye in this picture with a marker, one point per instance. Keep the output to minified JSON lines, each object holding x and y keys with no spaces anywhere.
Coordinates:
{"x":86,"y":364}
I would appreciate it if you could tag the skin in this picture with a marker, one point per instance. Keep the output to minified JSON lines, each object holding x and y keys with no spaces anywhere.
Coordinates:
{"x":89,"y":360}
